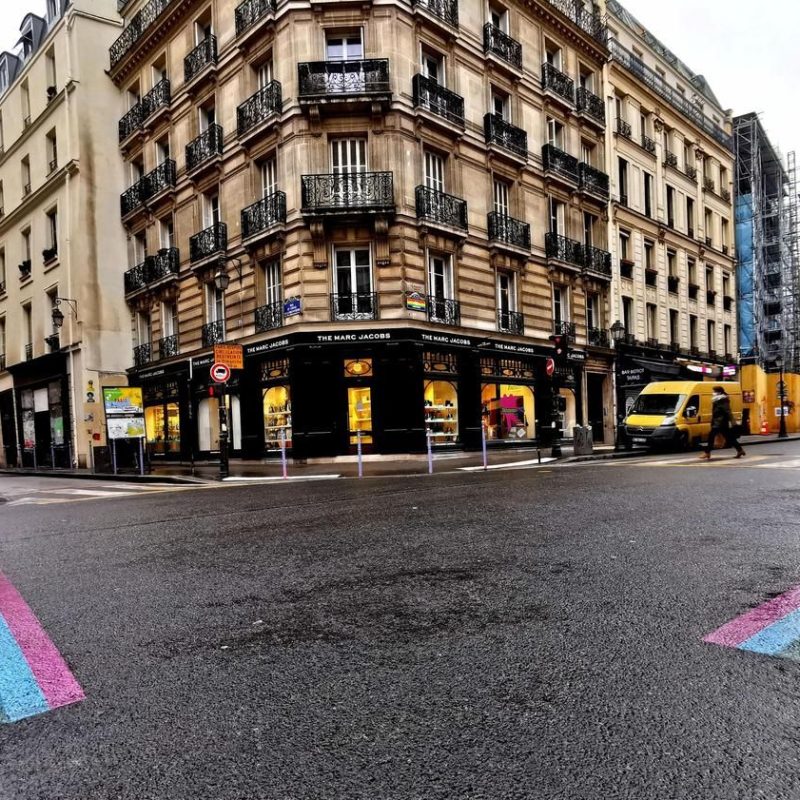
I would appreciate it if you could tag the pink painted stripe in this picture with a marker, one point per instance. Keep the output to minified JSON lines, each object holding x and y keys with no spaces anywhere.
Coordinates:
{"x":57,"y":683}
{"x":738,"y":630}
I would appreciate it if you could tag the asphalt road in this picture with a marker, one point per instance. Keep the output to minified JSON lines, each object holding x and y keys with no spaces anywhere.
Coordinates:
{"x":517,"y":634}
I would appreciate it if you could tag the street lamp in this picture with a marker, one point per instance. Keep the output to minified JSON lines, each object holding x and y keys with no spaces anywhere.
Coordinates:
{"x":781,"y":389}
{"x":617,"y":336}
{"x":58,"y":315}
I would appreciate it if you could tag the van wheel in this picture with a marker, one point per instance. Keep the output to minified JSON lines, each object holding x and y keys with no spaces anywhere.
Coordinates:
{"x":684,"y":442}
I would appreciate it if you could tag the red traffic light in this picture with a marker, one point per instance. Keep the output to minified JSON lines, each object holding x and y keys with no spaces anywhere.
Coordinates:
{"x":558,"y":343}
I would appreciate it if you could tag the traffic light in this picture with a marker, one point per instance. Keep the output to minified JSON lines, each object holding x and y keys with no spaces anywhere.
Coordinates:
{"x":560,"y":348}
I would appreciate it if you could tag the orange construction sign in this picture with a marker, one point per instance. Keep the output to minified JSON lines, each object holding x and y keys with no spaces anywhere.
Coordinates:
{"x":231,"y":355}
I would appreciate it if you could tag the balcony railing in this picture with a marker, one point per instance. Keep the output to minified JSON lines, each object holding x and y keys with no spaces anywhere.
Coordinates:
{"x":348,"y":192}
{"x":511,"y":322}
{"x":143,"y":354}
{"x":563,"y":249}
{"x":557,"y":82}
{"x":725,"y":195}
{"x":500,"y":132}
{"x":443,"y":310}
{"x":502,"y":45}
{"x":168,"y":346}
{"x":260,"y":107}
{"x":430,"y":95}
{"x":2,"y":361}
{"x":660,"y":86}
{"x":648,"y":143}
{"x":269,"y":211}
{"x":166,"y":262}
{"x":445,"y":10}
{"x":334,"y":79}
{"x":162,"y":177}
{"x":624,"y":128}
{"x":135,"y":278}
{"x":690,"y":172}
{"x":353,"y":306}
{"x":28,"y":352}
{"x":598,"y":337}
{"x":503,"y":228}
{"x":670,"y":160}
{"x":137,"y":28}
{"x":441,"y":208}
{"x":202,"y":56}
{"x":564,"y":329}
{"x":208,"y":242}
{"x":130,"y":121}
{"x":160,"y":95}
{"x":597,"y":261}
{"x":592,"y":180}
{"x":588,"y":21}
{"x":556,"y":160}
{"x":250,"y":12}
{"x":205,"y":147}
{"x":269,"y":316}
{"x":213,"y":333}
{"x":591,"y":104}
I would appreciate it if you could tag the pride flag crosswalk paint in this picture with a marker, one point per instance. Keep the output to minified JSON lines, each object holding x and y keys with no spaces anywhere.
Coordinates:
{"x":33,"y":676}
{"x":772,"y":629}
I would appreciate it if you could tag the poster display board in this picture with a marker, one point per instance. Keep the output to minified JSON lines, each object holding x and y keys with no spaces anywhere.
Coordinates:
{"x":124,"y":409}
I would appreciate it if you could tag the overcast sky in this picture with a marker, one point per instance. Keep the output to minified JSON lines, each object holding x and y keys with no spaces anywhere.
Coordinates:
{"x":747,"y":51}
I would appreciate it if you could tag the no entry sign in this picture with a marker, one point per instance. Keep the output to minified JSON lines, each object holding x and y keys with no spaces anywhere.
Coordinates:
{"x":220,"y":373}
{"x":550,"y":367}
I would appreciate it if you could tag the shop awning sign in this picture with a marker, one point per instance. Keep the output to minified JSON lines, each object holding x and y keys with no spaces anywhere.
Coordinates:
{"x":220,"y":373}
{"x":229,"y":354}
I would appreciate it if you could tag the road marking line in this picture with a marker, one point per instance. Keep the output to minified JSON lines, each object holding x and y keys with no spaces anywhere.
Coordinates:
{"x":533,"y":462}
{"x":48,"y":670}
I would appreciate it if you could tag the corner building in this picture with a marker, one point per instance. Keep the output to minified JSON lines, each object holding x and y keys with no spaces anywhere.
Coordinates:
{"x":60,"y":237}
{"x":671,"y":228}
{"x":392,"y":206}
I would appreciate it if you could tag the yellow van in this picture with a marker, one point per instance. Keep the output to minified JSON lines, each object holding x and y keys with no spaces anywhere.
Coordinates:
{"x":676,"y":413}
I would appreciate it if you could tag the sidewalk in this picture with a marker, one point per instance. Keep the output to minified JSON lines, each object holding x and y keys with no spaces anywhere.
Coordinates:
{"x":372,"y":466}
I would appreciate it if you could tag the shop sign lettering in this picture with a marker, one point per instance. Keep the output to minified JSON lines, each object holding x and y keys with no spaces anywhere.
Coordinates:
{"x":514,"y":348}
{"x":264,"y":347}
{"x":355,"y":337}
{"x":634,"y":375}
{"x":444,"y":339}
{"x":203,"y":361}
{"x":576,"y":355}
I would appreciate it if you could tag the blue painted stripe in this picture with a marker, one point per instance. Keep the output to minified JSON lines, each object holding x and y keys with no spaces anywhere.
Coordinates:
{"x":775,"y":638}
{"x":20,"y":695}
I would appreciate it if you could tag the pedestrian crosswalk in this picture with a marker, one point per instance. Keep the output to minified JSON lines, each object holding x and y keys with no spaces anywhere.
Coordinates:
{"x":45,"y":495}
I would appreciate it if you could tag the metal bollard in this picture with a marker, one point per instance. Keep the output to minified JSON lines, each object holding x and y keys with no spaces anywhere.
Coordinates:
{"x":360,"y":464}
{"x":483,"y":447}
{"x":283,"y":454}
{"x":430,"y":452}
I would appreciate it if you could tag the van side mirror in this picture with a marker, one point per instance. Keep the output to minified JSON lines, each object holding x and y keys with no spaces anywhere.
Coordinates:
{"x":690,"y":412}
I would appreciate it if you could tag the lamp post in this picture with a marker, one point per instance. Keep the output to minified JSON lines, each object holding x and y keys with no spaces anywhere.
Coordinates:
{"x":781,"y":389}
{"x":617,"y":335}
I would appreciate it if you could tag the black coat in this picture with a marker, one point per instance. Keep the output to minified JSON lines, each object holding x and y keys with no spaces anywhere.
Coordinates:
{"x":721,"y":416}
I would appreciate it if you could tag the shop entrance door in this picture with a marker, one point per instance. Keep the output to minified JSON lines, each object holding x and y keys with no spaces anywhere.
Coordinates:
{"x":359,"y":414}
{"x":596,"y":406}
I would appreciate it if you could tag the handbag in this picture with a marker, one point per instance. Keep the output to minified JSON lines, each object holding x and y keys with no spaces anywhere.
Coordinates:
{"x":719,"y":441}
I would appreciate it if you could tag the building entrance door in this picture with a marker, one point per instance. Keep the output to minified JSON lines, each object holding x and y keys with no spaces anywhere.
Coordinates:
{"x":594,"y":392}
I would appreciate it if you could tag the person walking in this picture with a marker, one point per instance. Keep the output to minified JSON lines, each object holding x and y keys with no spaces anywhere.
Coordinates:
{"x":722,"y":423}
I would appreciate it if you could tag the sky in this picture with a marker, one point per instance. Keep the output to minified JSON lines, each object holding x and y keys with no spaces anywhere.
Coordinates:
{"x":749,"y":55}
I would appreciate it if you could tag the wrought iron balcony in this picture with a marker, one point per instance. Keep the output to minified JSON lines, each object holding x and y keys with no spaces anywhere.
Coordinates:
{"x":137,"y":28}
{"x":160,"y":96}
{"x":213,"y":333}
{"x":168,"y":346}
{"x":673,"y":282}
{"x":502,"y":133}
{"x":348,"y":193}
{"x":592,"y":180}
{"x":559,"y":162}
{"x":162,"y":177}
{"x":441,"y":208}
{"x":598,"y":337}
{"x":268,"y":317}
{"x":591,"y":104}
{"x":443,"y":310}
{"x":500,"y":44}
{"x":202,"y":56}
{"x":263,"y":214}
{"x":564,"y":329}
{"x":264,"y":104}
{"x":555,"y":81}
{"x":208,"y":242}
{"x":588,"y":21}
{"x":433,"y":97}
{"x":135,"y":278}
{"x":142,"y":355}
{"x":670,"y":160}
{"x":205,"y":147}
{"x":445,"y":10}
{"x":503,"y":228}
{"x":648,"y":143}
{"x":511,"y":322}
{"x":564,"y":249}
{"x":166,"y":263}
{"x":131,"y":121}
{"x":334,"y":80}
{"x":132,"y":197}
{"x":28,"y":352}
{"x":624,"y":128}
{"x":597,"y":261}
{"x":690,"y":172}
{"x":354,"y":305}
{"x":251,"y":11}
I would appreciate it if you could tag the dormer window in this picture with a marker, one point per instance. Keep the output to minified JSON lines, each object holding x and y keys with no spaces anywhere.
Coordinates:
{"x":27,"y":43}
{"x":3,"y":76}
{"x":52,"y":10}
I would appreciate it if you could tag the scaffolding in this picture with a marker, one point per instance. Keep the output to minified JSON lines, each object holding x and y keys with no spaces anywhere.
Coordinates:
{"x":767,"y":246}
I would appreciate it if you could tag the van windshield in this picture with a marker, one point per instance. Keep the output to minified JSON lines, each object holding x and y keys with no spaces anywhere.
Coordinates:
{"x":660,"y":404}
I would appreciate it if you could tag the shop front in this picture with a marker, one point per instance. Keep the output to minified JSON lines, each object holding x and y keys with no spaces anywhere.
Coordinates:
{"x":165,"y":397}
{"x":508,"y":399}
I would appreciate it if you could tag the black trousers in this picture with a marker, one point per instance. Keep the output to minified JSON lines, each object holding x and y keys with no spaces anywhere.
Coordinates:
{"x":730,"y":439}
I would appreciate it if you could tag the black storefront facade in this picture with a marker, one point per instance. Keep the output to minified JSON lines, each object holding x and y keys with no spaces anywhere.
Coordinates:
{"x":318,"y":393}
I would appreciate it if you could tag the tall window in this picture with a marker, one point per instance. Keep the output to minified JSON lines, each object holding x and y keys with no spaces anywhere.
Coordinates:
{"x":672,"y":268}
{"x":269,"y":176}
{"x":169,"y":319}
{"x":589,"y":226}
{"x":144,"y":328}
{"x":203,"y":29}
{"x":434,"y":171}
{"x":52,"y":151}
{"x":52,"y":229}
{"x":215,"y":305}
{"x":560,"y":304}
{"x":498,"y":16}
{"x":670,"y":207}
{"x":588,"y":152}
{"x":265,"y":74}
{"x":432,"y":65}
{"x":25,"y":97}
{"x":211,"y":209}
{"x":674,"y":329}
{"x":344,"y":47}
{"x":648,"y":193}
{"x":2,"y":270}
{"x":353,"y":272}
{"x":627,"y":314}
{"x":622,"y":177}
{"x":555,"y":133}
{"x":501,"y":198}
{"x":2,"y":342}
{"x":556,"y":214}
{"x":440,"y":277}
{"x":552,"y":55}
{"x":26,"y":176}
{"x":50,"y":73}
{"x":692,"y":330}
{"x":691,"y":267}
{"x":27,"y":330}
{"x":709,"y":222}
{"x":207,"y":116}
{"x":162,"y":149}
{"x":273,"y":290}
{"x":652,"y":321}
{"x":711,"y":335}
{"x":506,"y":293}
{"x":26,"y":245}
{"x":726,"y":332}
{"x":690,"y":216}
{"x":649,"y":255}
{"x":348,"y":156}
{"x":167,"y":232}
{"x":624,"y":246}
{"x":593,"y":319}
{"x":500,"y":103}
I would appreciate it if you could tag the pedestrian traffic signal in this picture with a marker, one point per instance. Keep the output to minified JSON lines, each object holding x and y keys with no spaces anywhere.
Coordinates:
{"x":560,"y":348}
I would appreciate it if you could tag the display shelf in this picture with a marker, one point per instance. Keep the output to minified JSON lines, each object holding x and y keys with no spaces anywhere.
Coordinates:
{"x":276,"y":427}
